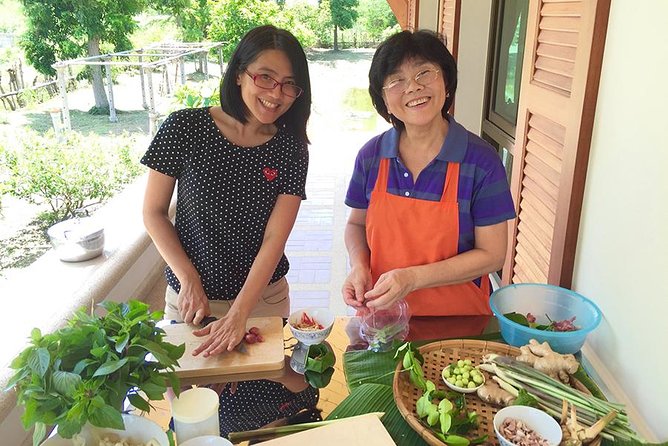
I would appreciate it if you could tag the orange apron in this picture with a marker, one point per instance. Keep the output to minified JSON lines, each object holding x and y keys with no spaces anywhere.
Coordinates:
{"x":404,"y":232}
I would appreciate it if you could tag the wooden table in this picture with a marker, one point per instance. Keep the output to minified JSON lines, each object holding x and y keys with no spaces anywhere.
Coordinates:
{"x":337,"y":390}
{"x":330,"y":396}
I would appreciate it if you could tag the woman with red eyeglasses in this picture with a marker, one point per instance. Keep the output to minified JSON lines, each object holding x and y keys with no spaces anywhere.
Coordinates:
{"x":240,"y":172}
{"x":429,"y":199}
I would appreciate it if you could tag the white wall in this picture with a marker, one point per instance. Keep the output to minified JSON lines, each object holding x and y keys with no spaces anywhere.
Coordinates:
{"x":471,"y":56}
{"x":622,"y":257}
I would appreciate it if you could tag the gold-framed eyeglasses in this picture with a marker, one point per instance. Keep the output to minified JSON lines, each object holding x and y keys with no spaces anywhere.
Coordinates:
{"x":400,"y":85}
{"x":269,"y":83}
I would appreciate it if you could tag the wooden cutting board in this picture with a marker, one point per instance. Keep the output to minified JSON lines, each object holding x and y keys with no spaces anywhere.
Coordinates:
{"x":261,"y":360}
{"x":363,"y":430}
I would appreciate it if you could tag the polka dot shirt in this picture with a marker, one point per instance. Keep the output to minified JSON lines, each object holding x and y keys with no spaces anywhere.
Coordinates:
{"x":225,"y":195}
{"x":254,"y":404}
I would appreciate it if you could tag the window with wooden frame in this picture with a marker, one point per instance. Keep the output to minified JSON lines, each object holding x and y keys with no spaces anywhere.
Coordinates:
{"x":558,"y":91}
{"x":502,"y":91}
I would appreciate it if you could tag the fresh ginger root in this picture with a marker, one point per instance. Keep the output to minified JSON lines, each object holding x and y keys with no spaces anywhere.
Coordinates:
{"x":541,"y":357}
{"x":575,"y":434}
{"x":492,"y":393}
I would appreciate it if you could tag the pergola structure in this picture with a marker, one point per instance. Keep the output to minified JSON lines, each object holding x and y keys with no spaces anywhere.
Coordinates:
{"x":151,"y":59}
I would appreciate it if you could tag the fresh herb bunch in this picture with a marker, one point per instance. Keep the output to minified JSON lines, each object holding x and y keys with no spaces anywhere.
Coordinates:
{"x":530,"y":321}
{"x":83,"y":372}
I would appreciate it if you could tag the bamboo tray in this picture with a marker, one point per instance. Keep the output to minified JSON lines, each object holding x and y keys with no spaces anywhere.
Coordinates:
{"x":436,"y":356}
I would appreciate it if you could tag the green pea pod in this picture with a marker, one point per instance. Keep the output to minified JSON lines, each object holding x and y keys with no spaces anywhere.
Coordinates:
{"x":446,"y":422}
{"x":432,"y":417}
{"x":408,"y":361}
{"x":456,"y":440}
{"x":445,"y":406}
{"x":417,"y":377}
{"x":423,"y":404}
{"x":406,"y":346}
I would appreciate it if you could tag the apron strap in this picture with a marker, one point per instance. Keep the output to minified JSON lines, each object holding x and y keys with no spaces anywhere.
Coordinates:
{"x":451,"y":183}
{"x":383,"y":174}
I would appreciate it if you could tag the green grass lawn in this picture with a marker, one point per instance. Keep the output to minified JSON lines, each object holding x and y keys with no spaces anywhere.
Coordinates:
{"x":135,"y":121}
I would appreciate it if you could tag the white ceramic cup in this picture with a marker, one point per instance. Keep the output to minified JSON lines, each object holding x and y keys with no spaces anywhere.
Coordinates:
{"x":195,"y":414}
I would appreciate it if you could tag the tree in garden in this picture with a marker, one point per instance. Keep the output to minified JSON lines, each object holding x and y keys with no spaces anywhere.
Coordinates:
{"x":376,"y":17}
{"x":344,"y":14}
{"x":65,"y":29}
{"x":193,"y":17}
{"x":318,"y":19}
{"x":231,"y":19}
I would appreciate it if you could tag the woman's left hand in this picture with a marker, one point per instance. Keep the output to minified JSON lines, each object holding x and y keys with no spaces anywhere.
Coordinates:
{"x":224,"y":334}
{"x":390,"y":287}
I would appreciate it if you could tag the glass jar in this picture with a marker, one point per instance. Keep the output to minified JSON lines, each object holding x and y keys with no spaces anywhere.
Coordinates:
{"x":380,"y":328}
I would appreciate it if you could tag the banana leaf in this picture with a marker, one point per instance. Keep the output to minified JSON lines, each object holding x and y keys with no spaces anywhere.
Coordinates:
{"x":364,"y":367}
{"x":373,"y":397}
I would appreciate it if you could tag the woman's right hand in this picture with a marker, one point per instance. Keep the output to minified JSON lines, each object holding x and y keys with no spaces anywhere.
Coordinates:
{"x":192,"y":302}
{"x":356,"y":284}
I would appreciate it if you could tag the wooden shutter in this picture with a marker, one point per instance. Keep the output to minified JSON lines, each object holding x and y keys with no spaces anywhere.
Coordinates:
{"x":560,"y":76}
{"x":448,"y":25}
{"x":413,"y":8}
{"x":400,"y":10}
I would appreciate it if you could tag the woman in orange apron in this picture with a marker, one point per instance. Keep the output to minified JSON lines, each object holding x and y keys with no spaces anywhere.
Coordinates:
{"x":430,"y":200}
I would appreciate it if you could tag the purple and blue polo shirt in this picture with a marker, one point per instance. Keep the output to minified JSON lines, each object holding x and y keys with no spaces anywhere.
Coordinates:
{"x":484,"y":196}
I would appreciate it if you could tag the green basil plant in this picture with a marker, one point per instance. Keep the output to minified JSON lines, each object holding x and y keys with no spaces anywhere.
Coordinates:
{"x":83,"y":372}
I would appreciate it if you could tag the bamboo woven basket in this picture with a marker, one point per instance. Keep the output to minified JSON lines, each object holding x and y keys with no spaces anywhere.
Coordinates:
{"x":436,"y":356}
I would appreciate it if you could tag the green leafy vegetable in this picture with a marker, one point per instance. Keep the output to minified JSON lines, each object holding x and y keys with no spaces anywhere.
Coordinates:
{"x":84,"y":371}
{"x":319,"y":365}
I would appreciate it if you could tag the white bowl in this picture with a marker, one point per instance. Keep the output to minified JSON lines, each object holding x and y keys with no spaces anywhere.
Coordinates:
{"x":137,"y":429}
{"x":323,"y":316}
{"x":539,"y":421}
{"x":464,"y":389}
{"x":207,"y":440}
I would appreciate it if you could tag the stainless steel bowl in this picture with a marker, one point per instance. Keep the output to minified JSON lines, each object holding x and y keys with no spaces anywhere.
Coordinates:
{"x":77,"y":240}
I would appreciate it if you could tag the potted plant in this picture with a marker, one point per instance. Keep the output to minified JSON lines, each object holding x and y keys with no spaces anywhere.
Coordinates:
{"x":83,"y":372}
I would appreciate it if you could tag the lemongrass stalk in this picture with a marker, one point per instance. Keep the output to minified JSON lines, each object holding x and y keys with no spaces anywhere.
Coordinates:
{"x":531,"y":380}
{"x":524,"y":369}
{"x":532,"y":390}
{"x":505,"y":386}
{"x":546,"y":400}
{"x":578,"y":399}
{"x":559,"y":389}
{"x":580,"y":403}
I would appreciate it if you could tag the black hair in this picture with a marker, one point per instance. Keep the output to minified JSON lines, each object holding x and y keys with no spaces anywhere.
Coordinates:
{"x":404,"y":46}
{"x":255,"y":41}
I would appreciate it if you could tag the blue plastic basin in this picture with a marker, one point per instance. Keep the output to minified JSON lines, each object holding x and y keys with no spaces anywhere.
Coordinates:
{"x":540,"y":299}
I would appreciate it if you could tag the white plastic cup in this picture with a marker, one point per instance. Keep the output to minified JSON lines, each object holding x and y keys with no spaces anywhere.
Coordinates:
{"x":195,"y":414}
